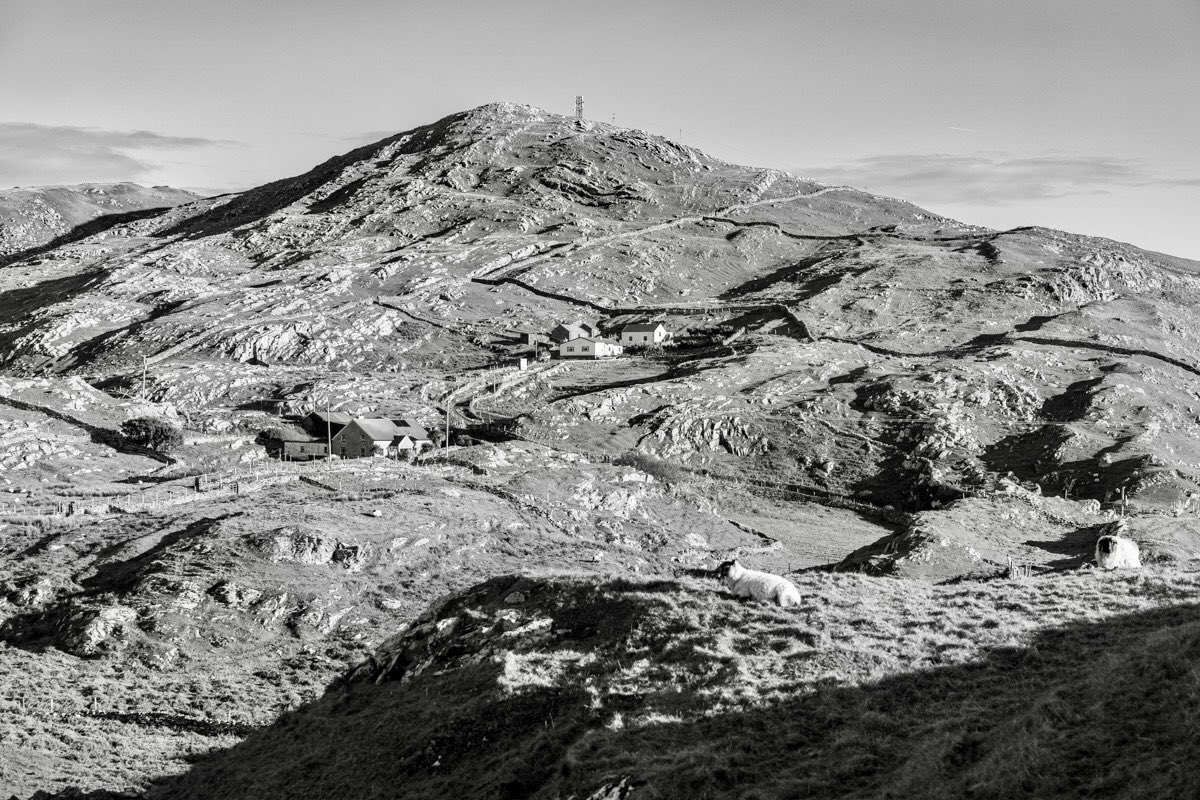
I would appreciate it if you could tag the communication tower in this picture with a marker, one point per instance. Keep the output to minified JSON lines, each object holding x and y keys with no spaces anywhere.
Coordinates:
{"x":579,"y":108}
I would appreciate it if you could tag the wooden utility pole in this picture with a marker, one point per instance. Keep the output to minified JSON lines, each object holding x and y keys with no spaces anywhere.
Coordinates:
{"x":328,"y":436}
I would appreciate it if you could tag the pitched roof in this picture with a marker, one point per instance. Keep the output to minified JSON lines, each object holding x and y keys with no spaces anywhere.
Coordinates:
{"x":408,"y":428}
{"x":642,"y":327}
{"x":294,"y":436}
{"x":596,"y":339}
{"x":379,"y":430}
{"x":336,"y":417}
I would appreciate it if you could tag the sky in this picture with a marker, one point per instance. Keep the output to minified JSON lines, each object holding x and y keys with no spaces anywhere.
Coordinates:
{"x":1082,"y":115}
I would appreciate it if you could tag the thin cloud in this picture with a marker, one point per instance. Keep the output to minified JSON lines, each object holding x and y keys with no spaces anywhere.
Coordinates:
{"x":32,"y":154}
{"x":991,"y":178}
{"x":368,"y":137}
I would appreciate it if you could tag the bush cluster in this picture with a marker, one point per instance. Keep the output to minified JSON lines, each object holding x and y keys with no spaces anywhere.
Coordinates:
{"x":156,"y":434}
{"x":658,"y":468}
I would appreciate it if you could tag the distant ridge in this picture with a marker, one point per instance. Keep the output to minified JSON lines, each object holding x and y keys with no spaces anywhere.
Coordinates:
{"x":31,"y":216}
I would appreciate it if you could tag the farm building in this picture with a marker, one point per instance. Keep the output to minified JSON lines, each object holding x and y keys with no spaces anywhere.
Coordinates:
{"x":573,"y":330}
{"x":324,"y":424}
{"x":363,"y":438}
{"x":589,"y":347}
{"x":297,"y":447}
{"x":644,"y":334}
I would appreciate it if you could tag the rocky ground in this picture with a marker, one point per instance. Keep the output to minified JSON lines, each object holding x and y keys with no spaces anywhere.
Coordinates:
{"x":926,"y":424}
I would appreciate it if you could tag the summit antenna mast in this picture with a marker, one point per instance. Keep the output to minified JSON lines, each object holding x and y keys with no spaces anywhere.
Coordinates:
{"x":579,"y":108}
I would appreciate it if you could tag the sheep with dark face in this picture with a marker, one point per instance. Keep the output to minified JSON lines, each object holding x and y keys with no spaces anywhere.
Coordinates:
{"x":1114,"y":552}
{"x":761,"y":586}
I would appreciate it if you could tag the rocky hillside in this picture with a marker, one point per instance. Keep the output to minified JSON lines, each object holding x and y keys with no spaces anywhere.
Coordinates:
{"x":885,"y":353}
{"x":33,"y":216}
{"x":926,"y":423}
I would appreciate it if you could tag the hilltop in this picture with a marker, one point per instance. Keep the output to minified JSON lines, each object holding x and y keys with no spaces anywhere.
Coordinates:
{"x":855,"y":385}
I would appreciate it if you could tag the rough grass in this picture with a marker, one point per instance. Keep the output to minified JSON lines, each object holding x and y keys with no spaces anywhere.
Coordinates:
{"x":1072,"y":685}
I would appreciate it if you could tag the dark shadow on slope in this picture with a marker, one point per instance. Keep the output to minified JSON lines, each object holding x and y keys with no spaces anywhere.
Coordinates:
{"x":1089,"y":709}
{"x":1110,"y":349}
{"x":39,"y":628}
{"x":22,"y":304}
{"x":728,"y":355}
{"x":1035,"y":323}
{"x":83,"y":231}
{"x":104,"y":436}
{"x":1078,"y":546}
{"x":263,"y":201}
{"x":118,"y":577}
{"x":337,"y":197}
{"x":176,"y":722}
{"x":986,"y":248}
{"x":1032,"y":457}
{"x":1028,"y":456}
{"x":1073,"y":403}
{"x":101,"y":346}
{"x":792,"y":273}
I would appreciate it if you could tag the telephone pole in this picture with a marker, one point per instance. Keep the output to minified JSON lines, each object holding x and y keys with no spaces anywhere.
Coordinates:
{"x":328,"y":432}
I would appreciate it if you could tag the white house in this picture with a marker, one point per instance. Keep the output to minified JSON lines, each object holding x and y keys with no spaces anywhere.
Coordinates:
{"x":644,"y":334}
{"x":589,"y":347}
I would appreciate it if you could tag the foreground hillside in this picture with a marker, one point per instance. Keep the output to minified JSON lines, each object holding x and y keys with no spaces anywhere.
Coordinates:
{"x":926,"y":424}
{"x":1081,"y":685}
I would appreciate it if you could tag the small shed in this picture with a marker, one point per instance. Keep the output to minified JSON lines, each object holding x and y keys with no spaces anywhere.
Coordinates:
{"x":295,"y":447}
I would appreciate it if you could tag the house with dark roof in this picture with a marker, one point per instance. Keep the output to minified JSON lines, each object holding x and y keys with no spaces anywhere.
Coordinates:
{"x":324,"y":424}
{"x":644,"y":334}
{"x":363,"y":438}
{"x":573,"y":330}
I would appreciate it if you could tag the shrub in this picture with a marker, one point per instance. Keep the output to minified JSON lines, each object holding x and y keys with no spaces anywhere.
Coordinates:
{"x":271,"y":438}
{"x":157,"y":434}
{"x":658,"y":468}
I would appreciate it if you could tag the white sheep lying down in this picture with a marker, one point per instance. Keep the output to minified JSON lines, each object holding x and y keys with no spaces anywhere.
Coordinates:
{"x":1113,"y":552}
{"x":761,"y":586}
